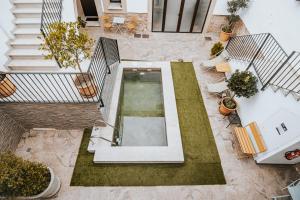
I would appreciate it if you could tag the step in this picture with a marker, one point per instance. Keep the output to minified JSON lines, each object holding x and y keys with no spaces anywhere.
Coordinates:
{"x":27,"y":54}
{"x":34,"y":63}
{"x":28,"y":21}
{"x":28,"y":1}
{"x":296,"y":96}
{"x":27,"y":31}
{"x":26,"y":42}
{"x":27,"y":11}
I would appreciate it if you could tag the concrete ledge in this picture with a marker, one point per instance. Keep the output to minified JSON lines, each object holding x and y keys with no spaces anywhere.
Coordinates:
{"x":173,"y":153}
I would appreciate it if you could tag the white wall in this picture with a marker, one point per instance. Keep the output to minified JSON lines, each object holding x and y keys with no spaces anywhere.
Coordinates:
{"x":269,"y":109}
{"x":279,"y":17}
{"x":68,"y":11}
{"x":279,"y":157}
{"x":137,"y":6}
{"x":6,"y":26}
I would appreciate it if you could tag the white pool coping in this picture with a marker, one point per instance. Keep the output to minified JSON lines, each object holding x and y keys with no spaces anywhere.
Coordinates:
{"x":173,"y":153}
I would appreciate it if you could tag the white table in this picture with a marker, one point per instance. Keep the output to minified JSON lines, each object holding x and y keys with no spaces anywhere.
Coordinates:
{"x":118,"y":22}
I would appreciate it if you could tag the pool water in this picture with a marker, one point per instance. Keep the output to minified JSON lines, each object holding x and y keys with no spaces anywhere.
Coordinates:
{"x":140,"y":119}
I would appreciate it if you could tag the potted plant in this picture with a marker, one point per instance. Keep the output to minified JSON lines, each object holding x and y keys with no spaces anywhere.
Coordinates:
{"x":7,"y":88}
{"x":242,"y":84}
{"x":216,"y":49}
{"x":22,"y":179}
{"x":233,"y":6}
{"x":70,"y":46}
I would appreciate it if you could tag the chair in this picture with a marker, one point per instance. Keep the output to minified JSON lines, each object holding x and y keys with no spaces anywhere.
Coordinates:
{"x":132,"y":24}
{"x":106,"y":18}
{"x":293,"y":189}
{"x":131,"y":28}
{"x":245,"y":141}
{"x":211,"y":64}
{"x":107,"y":26}
{"x":217,"y":88}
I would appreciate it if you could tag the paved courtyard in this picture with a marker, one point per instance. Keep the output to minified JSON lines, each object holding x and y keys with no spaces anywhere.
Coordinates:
{"x":245,"y":180}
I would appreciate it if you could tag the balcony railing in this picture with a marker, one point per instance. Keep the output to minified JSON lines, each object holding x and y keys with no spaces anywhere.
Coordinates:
{"x":271,"y":63}
{"x":51,"y":13}
{"x":63,"y":87}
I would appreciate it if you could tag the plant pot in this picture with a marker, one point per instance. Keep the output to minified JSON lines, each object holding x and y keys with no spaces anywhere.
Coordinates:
{"x":7,"y":88}
{"x":224,"y":110}
{"x":85,"y":85}
{"x":52,"y":189}
{"x":224,"y":36}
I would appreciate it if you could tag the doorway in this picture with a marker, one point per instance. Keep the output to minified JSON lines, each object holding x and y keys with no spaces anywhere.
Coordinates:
{"x":89,"y":9}
{"x":181,"y":16}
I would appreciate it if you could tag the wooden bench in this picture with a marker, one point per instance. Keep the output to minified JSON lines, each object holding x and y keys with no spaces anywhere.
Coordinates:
{"x":245,"y":141}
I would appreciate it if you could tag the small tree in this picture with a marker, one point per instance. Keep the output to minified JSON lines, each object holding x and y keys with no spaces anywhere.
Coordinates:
{"x":68,"y":44}
{"x":20,"y":177}
{"x":233,"y":6}
{"x":243,"y":84}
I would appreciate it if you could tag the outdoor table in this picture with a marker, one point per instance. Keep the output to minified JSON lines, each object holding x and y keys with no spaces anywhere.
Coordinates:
{"x":223,"y":67}
{"x":118,"y":22}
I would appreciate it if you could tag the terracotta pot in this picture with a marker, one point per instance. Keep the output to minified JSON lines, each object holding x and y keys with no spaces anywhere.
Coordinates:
{"x":85,"y":85}
{"x":52,"y":189}
{"x":225,"y":36}
{"x":7,"y":88}
{"x":224,"y":110}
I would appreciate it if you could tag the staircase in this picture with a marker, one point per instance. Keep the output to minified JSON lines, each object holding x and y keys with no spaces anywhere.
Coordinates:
{"x":25,"y":54}
{"x":273,"y":66}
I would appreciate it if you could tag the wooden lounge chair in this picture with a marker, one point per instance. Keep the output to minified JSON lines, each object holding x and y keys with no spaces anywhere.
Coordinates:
{"x":245,"y":141}
{"x":211,"y":64}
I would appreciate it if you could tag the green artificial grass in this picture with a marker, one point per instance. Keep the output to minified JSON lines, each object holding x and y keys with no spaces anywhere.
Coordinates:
{"x":202,"y":164}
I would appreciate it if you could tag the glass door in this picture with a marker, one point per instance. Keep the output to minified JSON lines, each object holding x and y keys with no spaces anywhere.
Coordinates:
{"x":185,"y":16}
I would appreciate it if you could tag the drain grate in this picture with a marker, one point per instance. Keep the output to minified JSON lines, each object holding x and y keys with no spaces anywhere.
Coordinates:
{"x":138,"y":35}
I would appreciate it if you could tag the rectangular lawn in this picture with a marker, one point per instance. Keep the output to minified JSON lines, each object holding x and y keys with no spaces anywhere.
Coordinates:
{"x":202,"y":164}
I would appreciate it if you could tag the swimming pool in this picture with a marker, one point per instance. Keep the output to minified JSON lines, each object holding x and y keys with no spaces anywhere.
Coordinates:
{"x":141,"y":117}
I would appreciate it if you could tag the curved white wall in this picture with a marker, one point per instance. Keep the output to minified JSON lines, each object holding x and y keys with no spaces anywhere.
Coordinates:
{"x":281,"y":18}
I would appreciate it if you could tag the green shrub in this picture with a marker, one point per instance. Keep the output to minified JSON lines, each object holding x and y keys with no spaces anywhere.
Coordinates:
{"x":229,"y":103}
{"x":20,"y":177}
{"x":243,"y":84}
{"x":216,"y":49}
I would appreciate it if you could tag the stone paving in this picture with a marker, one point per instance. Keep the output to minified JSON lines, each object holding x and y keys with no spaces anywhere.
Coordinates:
{"x":245,"y":179}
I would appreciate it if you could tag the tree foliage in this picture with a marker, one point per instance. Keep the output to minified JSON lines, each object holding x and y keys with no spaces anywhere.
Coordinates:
{"x":243,"y":84}
{"x":68,"y":44}
{"x":20,"y":177}
{"x":233,"y":6}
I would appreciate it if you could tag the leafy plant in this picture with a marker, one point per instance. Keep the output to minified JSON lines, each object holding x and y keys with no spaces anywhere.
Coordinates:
{"x":243,"y":84}
{"x":229,"y":103}
{"x":81,"y":22}
{"x":216,"y":49}
{"x":68,"y":44}
{"x":2,"y":77}
{"x":20,"y":177}
{"x":233,"y":6}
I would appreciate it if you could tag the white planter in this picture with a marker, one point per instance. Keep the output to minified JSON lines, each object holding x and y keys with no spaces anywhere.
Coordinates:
{"x":51,"y":190}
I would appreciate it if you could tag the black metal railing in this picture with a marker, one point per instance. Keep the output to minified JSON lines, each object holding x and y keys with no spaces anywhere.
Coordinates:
{"x":65,"y":87}
{"x":51,"y":13}
{"x":287,"y":77}
{"x":271,"y":63}
{"x":111,"y":50}
{"x":262,"y":51}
